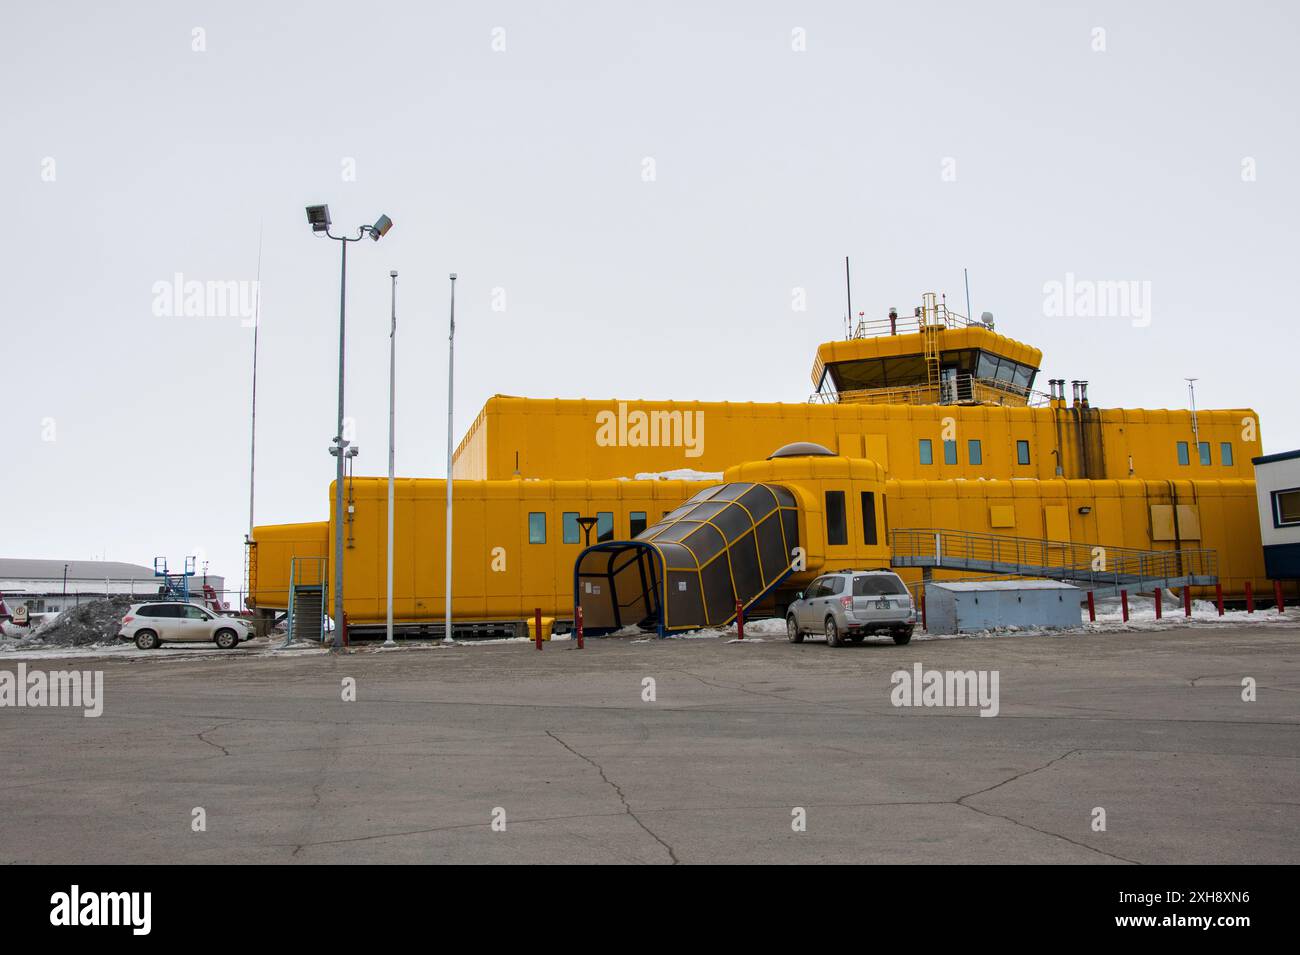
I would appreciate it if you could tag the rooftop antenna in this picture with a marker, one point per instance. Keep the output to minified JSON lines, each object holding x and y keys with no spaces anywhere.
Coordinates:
{"x":848,"y":292}
{"x":1191,"y":393}
{"x":966,"y":277}
{"x":252,"y":440}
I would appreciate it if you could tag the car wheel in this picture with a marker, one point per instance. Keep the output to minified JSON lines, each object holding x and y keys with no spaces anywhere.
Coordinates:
{"x":857,"y":638}
{"x":792,"y":630}
{"x":147,"y":640}
{"x":227,"y":639}
{"x":903,"y":636}
{"x":833,"y":633}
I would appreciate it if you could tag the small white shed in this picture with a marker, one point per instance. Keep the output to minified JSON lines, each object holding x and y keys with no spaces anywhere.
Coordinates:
{"x":953,"y":606}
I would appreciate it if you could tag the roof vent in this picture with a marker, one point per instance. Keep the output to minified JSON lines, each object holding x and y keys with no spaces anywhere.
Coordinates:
{"x":802,"y":449}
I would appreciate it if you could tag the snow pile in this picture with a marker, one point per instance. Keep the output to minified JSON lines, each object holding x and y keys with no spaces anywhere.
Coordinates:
{"x":94,"y":622}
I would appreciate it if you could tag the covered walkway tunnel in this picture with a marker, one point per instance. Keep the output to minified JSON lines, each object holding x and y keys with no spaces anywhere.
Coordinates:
{"x":731,"y":542}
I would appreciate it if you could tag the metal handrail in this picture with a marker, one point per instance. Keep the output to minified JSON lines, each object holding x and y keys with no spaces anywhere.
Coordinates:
{"x":1060,"y":559}
{"x":911,"y":324}
{"x":960,"y":389}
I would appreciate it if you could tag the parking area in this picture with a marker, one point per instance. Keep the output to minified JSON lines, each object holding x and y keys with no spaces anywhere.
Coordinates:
{"x":648,"y":751}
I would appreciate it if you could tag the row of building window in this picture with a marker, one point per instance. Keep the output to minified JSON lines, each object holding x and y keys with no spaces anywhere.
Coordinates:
{"x":572,"y":530}
{"x":974,"y":452}
{"x":1203,"y":452}
{"x":837,"y":519}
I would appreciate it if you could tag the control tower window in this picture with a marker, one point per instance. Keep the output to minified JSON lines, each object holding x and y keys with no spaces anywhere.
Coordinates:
{"x":837,"y":525}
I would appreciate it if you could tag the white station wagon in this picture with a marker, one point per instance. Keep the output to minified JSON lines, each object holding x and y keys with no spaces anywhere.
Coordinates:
{"x":153,"y":624}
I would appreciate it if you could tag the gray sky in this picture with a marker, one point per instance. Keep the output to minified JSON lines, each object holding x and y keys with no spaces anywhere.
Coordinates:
{"x":917,"y":138}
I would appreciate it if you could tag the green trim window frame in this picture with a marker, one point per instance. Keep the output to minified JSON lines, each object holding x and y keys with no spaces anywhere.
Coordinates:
{"x":926,"y":451}
{"x":1225,"y":453}
{"x":1022,"y":452}
{"x":949,"y":452}
{"x":1184,"y":454}
{"x":571,"y":530}
{"x":974,"y":451}
{"x":537,"y":527}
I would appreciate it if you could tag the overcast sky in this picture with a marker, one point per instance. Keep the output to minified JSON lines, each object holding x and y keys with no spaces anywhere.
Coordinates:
{"x":1149,"y":143}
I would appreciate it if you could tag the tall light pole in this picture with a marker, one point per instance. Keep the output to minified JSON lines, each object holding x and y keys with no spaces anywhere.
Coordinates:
{"x":392,"y":459}
{"x":319,"y":219}
{"x":1191,"y":395}
{"x":451,"y":368}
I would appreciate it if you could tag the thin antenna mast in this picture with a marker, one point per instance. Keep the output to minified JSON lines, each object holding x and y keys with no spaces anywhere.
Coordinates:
{"x":252,"y":440}
{"x":848,"y":292}
{"x":966,"y":276}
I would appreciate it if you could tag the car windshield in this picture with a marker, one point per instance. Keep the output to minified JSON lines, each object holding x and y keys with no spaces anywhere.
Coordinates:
{"x":877,"y":585}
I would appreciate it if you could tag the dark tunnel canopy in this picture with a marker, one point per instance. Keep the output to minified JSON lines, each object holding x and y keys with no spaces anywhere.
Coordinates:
{"x":729,"y":542}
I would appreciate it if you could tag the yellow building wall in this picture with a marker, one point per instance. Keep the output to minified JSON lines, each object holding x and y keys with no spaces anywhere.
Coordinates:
{"x":276,"y":545}
{"x":491,"y":524}
{"x":563,"y":439}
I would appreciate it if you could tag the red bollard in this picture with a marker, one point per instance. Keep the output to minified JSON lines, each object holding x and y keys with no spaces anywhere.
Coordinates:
{"x":1250,"y":598}
{"x":1218,"y":597}
{"x":1187,"y":601}
{"x":1092,"y":608}
{"x":740,"y":620}
{"x":1123,"y":600}
{"x":1277,"y":596}
{"x":537,"y":627}
{"x":577,"y":622}
{"x":1159,"y":602}
{"x":344,"y":629}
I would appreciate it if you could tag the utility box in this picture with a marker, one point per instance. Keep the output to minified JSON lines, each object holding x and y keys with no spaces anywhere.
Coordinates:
{"x":969,"y":607}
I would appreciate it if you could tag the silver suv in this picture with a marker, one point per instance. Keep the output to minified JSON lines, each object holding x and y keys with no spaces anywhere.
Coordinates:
{"x":149,"y":625}
{"x":849,"y":604}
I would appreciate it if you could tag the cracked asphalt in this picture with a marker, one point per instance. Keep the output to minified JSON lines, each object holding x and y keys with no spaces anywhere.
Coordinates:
{"x":1149,"y":727}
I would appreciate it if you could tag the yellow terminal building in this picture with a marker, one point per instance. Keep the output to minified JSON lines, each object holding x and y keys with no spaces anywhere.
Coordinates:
{"x":925,"y":445}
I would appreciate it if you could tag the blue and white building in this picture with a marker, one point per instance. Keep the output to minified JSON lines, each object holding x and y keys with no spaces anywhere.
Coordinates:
{"x":1277,"y":484}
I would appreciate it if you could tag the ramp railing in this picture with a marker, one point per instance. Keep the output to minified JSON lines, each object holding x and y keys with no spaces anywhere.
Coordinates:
{"x":1097,"y":567}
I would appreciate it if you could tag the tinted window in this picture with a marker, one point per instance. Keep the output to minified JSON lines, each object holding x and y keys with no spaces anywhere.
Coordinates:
{"x":835,"y":585}
{"x":868,"y":517}
{"x":636,"y":523}
{"x":950,"y":452}
{"x":570,"y":528}
{"x":974,"y":451}
{"x":195,"y":613}
{"x":1225,"y":454}
{"x":1204,"y":449}
{"x":877,"y":584}
{"x":926,"y":451}
{"x":156,"y":610}
{"x":537,"y":527}
{"x":1183,"y":456}
{"x":604,"y":526}
{"x":837,"y":525}
{"x":1286,"y":507}
{"x":1022,"y":452}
